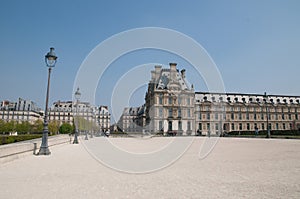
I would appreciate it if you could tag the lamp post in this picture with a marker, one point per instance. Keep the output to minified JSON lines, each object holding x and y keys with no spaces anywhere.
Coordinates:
{"x":77,"y":97}
{"x":85,"y":128}
{"x":50,"y":59}
{"x":267,"y":112}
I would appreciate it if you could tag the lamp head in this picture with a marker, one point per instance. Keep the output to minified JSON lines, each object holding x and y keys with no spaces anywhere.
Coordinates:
{"x":50,"y":58}
{"x":77,"y":94}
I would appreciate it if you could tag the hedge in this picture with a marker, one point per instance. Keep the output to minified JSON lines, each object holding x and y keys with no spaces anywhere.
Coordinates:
{"x":6,"y":139}
{"x":264,"y":132}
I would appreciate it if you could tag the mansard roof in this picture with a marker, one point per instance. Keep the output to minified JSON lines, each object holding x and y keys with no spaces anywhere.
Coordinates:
{"x":165,"y":82}
{"x":246,"y":98}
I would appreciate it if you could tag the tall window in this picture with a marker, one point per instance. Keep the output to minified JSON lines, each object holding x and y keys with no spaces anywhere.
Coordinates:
{"x":208,"y":126}
{"x":170,"y":126}
{"x":217,"y":127}
{"x":232,"y":126}
{"x":170,"y":112}
{"x":200,"y":126}
{"x":170,"y":99}
{"x":160,"y":125}
{"x":179,"y":112}
{"x":263,"y":126}
{"x":240,"y":126}
{"x":160,"y":112}
{"x":179,"y":125}
{"x":188,"y":112}
{"x":248,"y":126}
{"x":208,"y":116}
{"x":232,"y":116}
{"x":199,"y":116}
{"x":283,"y":126}
{"x":188,"y":125}
{"x":160,"y":99}
{"x":216,"y":116}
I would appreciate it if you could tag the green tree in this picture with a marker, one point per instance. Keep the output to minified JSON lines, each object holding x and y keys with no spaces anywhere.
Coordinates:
{"x":53,"y":127}
{"x":37,"y":126}
{"x":10,"y":126}
{"x":2,"y":126}
{"x":23,"y":127}
{"x":66,"y":128}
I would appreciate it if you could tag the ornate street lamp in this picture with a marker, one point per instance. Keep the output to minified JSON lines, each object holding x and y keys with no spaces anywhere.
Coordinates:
{"x":77,"y":97}
{"x":50,"y":59}
{"x":267,"y":112}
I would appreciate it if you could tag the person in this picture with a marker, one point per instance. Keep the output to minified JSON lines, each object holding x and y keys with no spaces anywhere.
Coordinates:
{"x":256,"y":131}
{"x":107,"y":133}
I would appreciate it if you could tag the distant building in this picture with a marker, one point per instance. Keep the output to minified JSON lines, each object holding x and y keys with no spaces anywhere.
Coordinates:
{"x":103,"y":118}
{"x":20,"y":111}
{"x":173,"y":107}
{"x":170,"y":102}
{"x":225,"y":112}
{"x":63,"y":112}
{"x":132,"y":119}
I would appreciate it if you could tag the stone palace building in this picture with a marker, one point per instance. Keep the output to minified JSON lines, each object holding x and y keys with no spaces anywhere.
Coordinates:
{"x":173,"y":107}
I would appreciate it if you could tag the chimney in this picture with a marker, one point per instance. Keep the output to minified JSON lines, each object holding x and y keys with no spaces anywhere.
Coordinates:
{"x":173,"y":71}
{"x":153,"y":76}
{"x":157,"y":72}
{"x":183,"y":73}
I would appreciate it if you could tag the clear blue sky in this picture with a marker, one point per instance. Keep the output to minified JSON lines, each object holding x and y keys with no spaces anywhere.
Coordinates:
{"x":255,"y":44}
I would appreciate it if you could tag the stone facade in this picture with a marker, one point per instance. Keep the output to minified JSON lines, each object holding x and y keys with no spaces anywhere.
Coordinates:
{"x":63,"y":112}
{"x":173,"y":107}
{"x":20,"y":111}
{"x":132,"y":119}
{"x":225,"y":112}
{"x":169,"y":102}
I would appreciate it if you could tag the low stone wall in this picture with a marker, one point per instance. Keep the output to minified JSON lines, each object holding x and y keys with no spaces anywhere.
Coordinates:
{"x":18,"y":150}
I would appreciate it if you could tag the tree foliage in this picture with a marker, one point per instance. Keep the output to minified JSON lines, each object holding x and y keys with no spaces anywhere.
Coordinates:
{"x":83,"y":124}
{"x":37,"y":126}
{"x":66,"y":128}
{"x":53,"y":127}
{"x":23,"y":127}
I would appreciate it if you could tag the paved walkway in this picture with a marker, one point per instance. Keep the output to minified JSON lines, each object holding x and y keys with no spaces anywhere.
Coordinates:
{"x":236,"y":168}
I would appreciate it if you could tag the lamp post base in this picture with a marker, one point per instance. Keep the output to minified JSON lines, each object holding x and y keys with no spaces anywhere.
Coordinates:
{"x":44,"y":151}
{"x":75,"y":141}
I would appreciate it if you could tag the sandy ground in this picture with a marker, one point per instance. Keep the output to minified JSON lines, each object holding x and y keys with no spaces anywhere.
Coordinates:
{"x":235,"y":168}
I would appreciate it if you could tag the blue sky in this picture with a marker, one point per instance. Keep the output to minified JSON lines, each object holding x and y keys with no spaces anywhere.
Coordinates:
{"x":255,"y":44}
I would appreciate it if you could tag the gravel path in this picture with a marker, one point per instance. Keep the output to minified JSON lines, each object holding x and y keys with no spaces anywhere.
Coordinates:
{"x":236,"y":168}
